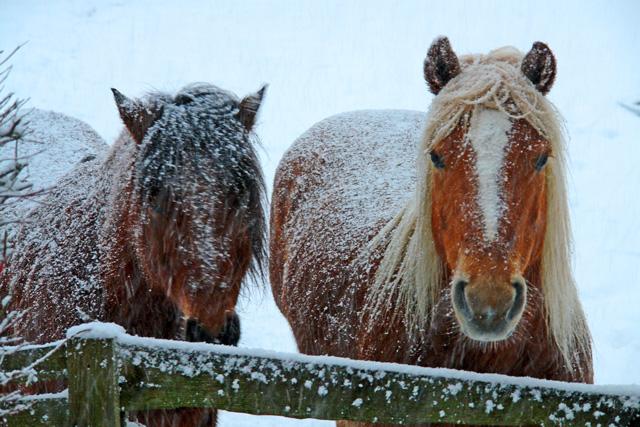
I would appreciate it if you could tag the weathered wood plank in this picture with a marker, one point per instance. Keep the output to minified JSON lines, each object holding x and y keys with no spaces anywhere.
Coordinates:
{"x":332,"y":389}
{"x":51,"y":368}
{"x":94,"y":395}
{"x":159,"y":374}
{"x":45,"y":411}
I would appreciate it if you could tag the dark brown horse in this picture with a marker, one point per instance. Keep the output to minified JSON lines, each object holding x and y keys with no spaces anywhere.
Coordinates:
{"x":165,"y":227}
{"x":455,"y":254}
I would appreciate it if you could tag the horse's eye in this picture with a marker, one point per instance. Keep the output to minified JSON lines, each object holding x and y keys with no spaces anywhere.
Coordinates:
{"x":182,"y":99}
{"x":157,"y":209}
{"x":541,"y":162}
{"x":437,"y":161}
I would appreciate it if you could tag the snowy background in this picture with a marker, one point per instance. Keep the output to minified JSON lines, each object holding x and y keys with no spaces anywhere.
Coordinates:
{"x":323,"y":58}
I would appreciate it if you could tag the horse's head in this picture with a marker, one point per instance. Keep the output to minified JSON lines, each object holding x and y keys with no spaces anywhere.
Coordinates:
{"x":195,"y":209}
{"x":489,"y":193}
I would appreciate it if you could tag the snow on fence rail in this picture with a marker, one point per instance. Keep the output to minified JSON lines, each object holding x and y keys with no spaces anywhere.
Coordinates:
{"x":110,"y":372}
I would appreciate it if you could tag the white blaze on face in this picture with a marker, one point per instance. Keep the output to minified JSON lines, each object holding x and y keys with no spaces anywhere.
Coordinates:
{"x":488,"y":135}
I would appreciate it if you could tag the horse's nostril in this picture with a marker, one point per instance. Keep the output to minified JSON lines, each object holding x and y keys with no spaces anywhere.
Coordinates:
{"x":459,"y":298}
{"x":518,"y":300}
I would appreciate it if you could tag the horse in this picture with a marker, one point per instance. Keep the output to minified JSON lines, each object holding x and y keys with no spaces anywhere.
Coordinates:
{"x":438,"y":239}
{"x":158,"y":235}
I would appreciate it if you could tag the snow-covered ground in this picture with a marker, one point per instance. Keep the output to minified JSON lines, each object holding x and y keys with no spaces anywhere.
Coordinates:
{"x":322,"y":58}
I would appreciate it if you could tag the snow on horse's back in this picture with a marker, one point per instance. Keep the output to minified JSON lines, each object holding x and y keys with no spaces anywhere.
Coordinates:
{"x":53,"y":145}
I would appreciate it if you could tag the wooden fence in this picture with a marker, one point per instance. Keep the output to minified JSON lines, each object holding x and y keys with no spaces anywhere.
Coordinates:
{"x":110,"y":372}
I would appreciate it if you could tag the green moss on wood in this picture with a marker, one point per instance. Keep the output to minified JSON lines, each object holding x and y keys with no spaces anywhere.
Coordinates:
{"x":94,"y":395}
{"x":45,"y":412}
{"x":156,"y":378}
{"x":106,"y":377}
{"x":51,"y":368}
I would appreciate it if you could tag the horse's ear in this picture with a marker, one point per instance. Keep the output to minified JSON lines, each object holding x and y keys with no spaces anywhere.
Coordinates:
{"x":137,"y":117}
{"x":248,"y":108}
{"x":539,"y":66}
{"x":440,"y":65}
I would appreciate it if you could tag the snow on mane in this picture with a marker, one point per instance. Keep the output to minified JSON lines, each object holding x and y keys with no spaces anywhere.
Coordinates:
{"x":411,"y":268}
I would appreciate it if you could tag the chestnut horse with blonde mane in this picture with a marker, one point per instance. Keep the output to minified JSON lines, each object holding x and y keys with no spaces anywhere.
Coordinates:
{"x":157,"y":235}
{"x":455,"y":254}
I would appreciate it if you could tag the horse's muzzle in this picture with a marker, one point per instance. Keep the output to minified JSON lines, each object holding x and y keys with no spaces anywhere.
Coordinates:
{"x":487,"y":311}
{"x":229,"y":335}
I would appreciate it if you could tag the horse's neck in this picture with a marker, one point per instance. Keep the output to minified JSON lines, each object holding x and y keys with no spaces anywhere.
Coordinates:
{"x":119,"y":253}
{"x":116,"y":232}
{"x":118,"y":170}
{"x":130,"y":301}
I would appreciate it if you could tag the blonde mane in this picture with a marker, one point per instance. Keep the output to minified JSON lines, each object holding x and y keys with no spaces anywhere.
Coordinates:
{"x":411,"y":269}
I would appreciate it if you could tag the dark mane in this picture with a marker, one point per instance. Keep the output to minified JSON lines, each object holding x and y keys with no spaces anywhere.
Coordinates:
{"x":200,"y":120}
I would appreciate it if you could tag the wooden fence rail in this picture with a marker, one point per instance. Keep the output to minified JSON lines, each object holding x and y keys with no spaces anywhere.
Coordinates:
{"x":110,"y":372}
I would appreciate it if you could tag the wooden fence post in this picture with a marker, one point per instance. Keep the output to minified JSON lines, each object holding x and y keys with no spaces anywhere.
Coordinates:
{"x":94,"y":395}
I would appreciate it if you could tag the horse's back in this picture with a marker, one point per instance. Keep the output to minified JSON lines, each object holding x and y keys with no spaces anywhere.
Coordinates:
{"x":335,"y":188}
{"x":54,"y":144}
